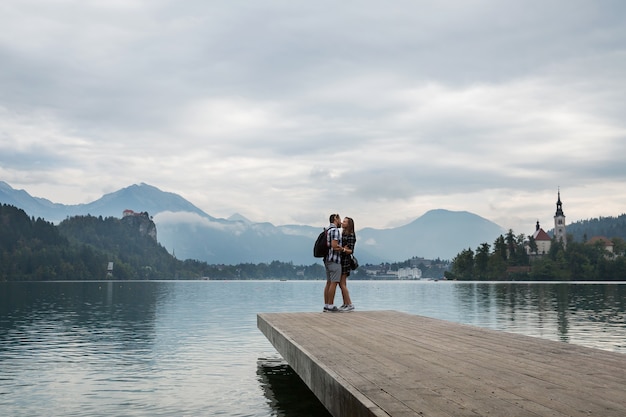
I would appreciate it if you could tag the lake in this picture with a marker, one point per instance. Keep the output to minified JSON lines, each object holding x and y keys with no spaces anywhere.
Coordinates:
{"x":192,"y":348}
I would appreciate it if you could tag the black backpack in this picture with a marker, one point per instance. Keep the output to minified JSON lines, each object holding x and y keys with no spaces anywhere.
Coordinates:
{"x":320,"y":249}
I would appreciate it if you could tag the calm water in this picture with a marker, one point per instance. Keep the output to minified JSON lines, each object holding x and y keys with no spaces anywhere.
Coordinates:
{"x":193,"y":349}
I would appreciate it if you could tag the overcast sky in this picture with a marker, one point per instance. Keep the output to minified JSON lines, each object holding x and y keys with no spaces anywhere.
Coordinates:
{"x":286,"y":111}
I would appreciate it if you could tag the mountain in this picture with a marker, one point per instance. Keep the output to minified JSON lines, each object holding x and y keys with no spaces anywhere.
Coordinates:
{"x":437,"y":234}
{"x":190,"y":233}
{"x":36,"y":207}
{"x":142,"y":198}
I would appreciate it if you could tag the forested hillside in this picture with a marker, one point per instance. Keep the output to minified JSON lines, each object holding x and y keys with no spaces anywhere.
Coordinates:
{"x":608,"y":227}
{"x":81,"y":247}
{"x":134,"y":252}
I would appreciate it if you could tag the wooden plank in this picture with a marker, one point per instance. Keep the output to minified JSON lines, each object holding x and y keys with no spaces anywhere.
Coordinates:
{"x":386,"y":363}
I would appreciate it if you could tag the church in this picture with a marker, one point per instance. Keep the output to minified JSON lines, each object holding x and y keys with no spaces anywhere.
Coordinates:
{"x":543,"y":241}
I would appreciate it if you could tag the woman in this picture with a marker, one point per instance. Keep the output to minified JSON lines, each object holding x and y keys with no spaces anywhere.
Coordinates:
{"x":348,"y":238}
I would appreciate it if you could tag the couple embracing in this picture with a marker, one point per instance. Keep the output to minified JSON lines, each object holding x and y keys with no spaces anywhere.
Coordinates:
{"x":338,"y":262}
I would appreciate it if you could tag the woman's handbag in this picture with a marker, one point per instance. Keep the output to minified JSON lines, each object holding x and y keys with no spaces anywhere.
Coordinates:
{"x":354,"y":263}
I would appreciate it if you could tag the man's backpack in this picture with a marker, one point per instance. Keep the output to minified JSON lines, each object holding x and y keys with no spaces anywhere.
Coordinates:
{"x":320,"y":249}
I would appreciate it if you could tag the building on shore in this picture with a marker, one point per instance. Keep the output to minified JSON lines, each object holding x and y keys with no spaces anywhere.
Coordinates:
{"x":605,"y":243}
{"x":409,"y":273}
{"x":543,"y":241}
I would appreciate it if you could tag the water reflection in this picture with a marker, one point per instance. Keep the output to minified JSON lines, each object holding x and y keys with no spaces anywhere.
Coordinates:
{"x":589,"y":314}
{"x":193,"y":348}
{"x":75,"y":348}
{"x":83,"y":310}
{"x":286,"y":393}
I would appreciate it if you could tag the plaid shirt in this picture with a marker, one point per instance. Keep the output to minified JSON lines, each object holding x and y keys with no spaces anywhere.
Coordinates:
{"x":333,"y":234}
{"x":349,"y":241}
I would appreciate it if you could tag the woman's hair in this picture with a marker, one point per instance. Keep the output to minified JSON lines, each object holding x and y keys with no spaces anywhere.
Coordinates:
{"x":350,"y":229}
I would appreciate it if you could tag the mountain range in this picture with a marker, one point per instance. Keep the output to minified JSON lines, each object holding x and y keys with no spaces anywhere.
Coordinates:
{"x":190,"y":233}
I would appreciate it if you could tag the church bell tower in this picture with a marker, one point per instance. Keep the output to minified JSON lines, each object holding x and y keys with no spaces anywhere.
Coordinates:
{"x":559,"y":222}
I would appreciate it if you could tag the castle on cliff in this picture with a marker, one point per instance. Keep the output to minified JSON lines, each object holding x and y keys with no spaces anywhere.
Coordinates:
{"x":141,"y":222}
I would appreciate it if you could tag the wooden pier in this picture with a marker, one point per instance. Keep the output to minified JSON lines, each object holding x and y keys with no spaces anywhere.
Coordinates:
{"x":386,"y":363}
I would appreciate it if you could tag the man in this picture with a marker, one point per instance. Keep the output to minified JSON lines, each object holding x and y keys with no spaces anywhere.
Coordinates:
{"x":332,"y":262}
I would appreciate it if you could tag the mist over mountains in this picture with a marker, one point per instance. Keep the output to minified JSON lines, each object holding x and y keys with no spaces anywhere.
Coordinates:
{"x":190,"y":233}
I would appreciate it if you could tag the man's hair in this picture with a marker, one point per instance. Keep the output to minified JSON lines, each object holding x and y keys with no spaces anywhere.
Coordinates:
{"x":332,"y":218}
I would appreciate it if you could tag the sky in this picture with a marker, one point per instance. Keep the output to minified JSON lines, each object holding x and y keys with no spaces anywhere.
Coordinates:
{"x":287,"y":111}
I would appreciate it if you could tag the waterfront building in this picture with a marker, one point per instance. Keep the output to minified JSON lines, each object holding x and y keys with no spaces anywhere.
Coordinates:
{"x":605,"y":243}
{"x":409,"y":273}
{"x":542,"y":240}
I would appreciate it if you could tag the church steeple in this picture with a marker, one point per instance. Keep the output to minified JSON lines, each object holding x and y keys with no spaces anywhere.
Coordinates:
{"x":559,"y":222}
{"x":559,"y":206}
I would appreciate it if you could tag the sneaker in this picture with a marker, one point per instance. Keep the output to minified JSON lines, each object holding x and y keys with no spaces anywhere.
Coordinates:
{"x":332,"y":309}
{"x":347,"y":307}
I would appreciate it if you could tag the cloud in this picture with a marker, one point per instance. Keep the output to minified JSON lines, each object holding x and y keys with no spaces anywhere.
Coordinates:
{"x":194,"y":219}
{"x":287,"y":111}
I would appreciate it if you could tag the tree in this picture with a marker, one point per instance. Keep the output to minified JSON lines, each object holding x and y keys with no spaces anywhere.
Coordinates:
{"x":619,"y":246}
{"x":500,"y":247}
{"x":481,"y":262}
{"x":532,"y":245}
{"x":521,"y":257}
{"x":497,"y":267}
{"x":510,"y":244}
{"x":463,"y":265}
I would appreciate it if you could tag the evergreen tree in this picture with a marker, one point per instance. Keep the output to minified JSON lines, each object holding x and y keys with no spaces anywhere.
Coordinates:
{"x":481,"y":262}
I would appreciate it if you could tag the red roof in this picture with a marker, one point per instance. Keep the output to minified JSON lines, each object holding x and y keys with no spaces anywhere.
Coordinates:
{"x":541,"y":235}
{"x":602,"y":239}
